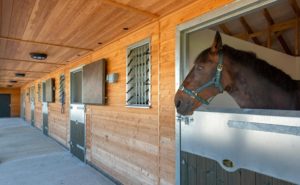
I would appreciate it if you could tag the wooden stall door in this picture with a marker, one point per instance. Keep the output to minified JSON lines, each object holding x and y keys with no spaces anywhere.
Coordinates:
{"x":77,"y":115}
{"x":4,"y":105}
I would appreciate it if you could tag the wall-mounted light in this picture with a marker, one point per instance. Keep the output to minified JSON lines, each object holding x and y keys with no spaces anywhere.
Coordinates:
{"x":39,"y":56}
{"x":112,"y":78}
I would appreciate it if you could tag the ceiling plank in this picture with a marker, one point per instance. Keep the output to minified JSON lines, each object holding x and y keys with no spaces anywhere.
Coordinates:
{"x":30,"y":61}
{"x":249,"y":30}
{"x":24,"y":71}
{"x":130,"y":8}
{"x":42,"y":43}
{"x":225,"y":29}
{"x":280,"y":38}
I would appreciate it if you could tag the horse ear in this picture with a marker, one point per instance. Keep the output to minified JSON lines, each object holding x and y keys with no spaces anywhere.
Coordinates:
{"x":217,"y":44}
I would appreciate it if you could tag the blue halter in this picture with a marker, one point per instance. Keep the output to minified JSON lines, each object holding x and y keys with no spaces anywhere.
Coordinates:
{"x":215,"y":81}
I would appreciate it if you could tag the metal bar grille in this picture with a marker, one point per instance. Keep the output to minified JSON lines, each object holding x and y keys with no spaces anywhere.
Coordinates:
{"x":138,"y":76}
{"x":62,"y":89}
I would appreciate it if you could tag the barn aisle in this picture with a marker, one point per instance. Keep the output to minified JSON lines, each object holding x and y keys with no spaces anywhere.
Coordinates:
{"x":27,"y":157}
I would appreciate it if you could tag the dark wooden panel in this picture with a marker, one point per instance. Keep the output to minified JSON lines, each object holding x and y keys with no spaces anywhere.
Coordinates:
{"x":203,"y":171}
{"x":93,"y":91}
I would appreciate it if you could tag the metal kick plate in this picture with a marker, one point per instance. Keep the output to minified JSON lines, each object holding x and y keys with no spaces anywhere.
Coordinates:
{"x":45,"y":108}
{"x":77,"y":112}
{"x":260,"y":141}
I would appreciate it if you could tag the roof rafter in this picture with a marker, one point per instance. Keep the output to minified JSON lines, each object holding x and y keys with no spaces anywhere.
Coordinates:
{"x":280,"y":38}
{"x":225,"y":29}
{"x":249,"y":30}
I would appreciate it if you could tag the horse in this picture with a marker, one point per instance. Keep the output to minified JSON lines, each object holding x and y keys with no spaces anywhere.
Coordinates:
{"x":251,"y":81}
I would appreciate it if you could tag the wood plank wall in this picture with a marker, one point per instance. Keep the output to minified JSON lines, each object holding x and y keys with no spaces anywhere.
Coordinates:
{"x":15,"y":100}
{"x":136,"y":146}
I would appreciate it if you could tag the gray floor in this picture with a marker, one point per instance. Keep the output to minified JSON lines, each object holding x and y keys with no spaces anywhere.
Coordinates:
{"x":27,"y":157}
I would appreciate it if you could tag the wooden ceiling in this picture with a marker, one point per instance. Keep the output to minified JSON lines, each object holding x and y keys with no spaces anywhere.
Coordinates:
{"x":66,"y":29}
{"x":276,"y":27}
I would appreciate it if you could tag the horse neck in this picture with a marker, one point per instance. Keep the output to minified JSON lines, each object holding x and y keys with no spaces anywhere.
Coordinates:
{"x":253,"y":91}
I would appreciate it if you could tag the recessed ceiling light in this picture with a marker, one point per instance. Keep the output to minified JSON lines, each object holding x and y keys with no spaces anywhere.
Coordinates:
{"x":13,"y":81}
{"x":20,"y":74}
{"x":39,"y":56}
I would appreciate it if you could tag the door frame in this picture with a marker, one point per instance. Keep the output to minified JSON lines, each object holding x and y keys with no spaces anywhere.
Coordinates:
{"x":74,"y":70}
{"x":217,"y":16}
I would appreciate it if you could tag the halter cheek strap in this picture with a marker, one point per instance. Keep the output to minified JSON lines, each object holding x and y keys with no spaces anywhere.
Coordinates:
{"x":215,"y":81}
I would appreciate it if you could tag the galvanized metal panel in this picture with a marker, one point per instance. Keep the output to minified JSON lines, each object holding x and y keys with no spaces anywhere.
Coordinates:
{"x":45,"y":118}
{"x":77,"y":112}
{"x":263,"y":141}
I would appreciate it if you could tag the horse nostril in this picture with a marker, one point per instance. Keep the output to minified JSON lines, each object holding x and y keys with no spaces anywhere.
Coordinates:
{"x":178,"y":103}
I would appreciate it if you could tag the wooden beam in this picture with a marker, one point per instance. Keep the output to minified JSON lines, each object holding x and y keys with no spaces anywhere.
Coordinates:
{"x":42,"y":43}
{"x":225,"y":29}
{"x":24,"y":71}
{"x":130,"y":8}
{"x":280,"y":38}
{"x":249,"y":30}
{"x":295,"y":7}
{"x":278,"y":27}
{"x":31,"y":61}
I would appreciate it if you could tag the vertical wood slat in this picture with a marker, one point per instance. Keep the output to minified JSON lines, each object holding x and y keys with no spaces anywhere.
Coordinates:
{"x":227,"y":178}
{"x":261,"y":179}
{"x":211,"y":172}
{"x":192,"y":169}
{"x":184,"y":168}
{"x":247,"y":177}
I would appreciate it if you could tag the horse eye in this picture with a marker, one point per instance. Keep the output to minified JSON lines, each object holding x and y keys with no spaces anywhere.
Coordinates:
{"x":200,"y":67}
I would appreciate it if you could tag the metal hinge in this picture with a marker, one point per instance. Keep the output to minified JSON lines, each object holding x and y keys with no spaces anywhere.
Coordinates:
{"x":186,"y":119}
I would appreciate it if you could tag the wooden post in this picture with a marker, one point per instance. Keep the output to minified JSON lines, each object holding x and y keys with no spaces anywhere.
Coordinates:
{"x":297,"y":37}
{"x":269,"y":43}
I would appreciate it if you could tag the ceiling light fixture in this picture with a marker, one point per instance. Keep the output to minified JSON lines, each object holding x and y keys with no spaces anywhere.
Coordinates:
{"x":39,"y":56}
{"x":20,"y":74}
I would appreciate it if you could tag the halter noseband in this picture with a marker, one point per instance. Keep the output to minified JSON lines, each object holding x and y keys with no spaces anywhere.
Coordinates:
{"x":215,"y":81}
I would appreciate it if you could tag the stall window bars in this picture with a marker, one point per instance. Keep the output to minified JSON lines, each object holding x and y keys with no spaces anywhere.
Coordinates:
{"x":138,"y":82}
{"x":62,"y":92}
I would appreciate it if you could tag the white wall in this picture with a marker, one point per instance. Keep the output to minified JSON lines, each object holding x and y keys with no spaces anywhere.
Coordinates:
{"x":200,"y":40}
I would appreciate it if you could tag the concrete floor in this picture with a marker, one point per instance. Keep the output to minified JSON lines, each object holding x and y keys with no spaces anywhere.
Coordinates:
{"x":27,"y":157}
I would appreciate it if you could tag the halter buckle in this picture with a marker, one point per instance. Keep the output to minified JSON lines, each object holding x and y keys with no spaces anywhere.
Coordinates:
{"x":220,"y":67}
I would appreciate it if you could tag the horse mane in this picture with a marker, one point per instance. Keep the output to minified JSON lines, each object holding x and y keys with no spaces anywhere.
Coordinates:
{"x":261,"y":67}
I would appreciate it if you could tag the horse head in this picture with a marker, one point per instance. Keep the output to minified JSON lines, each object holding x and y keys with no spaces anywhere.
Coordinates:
{"x":206,"y":79}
